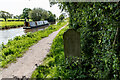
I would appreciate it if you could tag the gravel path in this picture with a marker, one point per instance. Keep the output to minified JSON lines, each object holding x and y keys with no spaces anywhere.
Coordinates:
{"x":25,"y":65}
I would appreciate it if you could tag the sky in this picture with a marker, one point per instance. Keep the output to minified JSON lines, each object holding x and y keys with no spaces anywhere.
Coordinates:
{"x":16,"y":7}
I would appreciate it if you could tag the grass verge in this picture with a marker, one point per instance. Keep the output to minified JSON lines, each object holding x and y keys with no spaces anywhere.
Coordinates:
{"x":16,"y":47}
{"x":13,"y":24}
{"x":51,"y":65}
{"x":55,"y":65}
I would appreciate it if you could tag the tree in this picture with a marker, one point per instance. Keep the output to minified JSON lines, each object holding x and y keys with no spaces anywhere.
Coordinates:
{"x":25,"y":13}
{"x":5,"y":15}
{"x":45,"y":15}
{"x":61,"y":17}
{"x":21,"y":16}
{"x":17,"y":17}
{"x":11,"y":16}
{"x":38,"y":14}
{"x":51,"y":17}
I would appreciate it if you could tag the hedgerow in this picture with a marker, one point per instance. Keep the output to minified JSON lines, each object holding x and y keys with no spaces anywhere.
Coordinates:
{"x":98,"y":24}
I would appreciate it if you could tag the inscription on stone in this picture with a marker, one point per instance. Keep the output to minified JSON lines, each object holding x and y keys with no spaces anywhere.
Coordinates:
{"x":71,"y":43}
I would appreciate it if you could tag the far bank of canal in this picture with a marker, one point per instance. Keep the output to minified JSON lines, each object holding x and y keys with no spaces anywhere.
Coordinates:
{"x":7,"y":34}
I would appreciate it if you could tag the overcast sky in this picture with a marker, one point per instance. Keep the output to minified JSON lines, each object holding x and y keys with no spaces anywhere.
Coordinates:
{"x":16,"y":7}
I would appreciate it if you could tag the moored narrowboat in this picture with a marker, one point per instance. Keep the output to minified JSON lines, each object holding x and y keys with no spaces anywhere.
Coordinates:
{"x":34,"y":24}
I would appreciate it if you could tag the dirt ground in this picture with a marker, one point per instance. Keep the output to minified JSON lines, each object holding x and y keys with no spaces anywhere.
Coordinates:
{"x":25,"y":65}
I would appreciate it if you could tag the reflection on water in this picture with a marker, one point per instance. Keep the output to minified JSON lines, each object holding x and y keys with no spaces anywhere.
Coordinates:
{"x":5,"y":35}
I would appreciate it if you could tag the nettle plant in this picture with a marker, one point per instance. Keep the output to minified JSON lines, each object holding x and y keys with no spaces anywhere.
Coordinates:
{"x":98,"y":23}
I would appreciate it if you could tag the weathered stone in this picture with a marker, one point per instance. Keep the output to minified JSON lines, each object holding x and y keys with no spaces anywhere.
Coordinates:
{"x":71,"y":43}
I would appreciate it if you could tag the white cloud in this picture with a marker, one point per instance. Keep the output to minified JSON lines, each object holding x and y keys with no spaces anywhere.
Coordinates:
{"x":16,"y":6}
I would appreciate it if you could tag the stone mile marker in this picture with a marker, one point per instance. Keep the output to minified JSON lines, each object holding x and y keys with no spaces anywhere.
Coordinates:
{"x":71,"y":43}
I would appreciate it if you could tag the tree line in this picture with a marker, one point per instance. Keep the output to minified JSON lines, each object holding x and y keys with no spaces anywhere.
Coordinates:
{"x":35,"y":14}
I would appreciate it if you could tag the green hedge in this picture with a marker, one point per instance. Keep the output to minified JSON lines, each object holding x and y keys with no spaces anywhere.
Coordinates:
{"x":99,"y":27}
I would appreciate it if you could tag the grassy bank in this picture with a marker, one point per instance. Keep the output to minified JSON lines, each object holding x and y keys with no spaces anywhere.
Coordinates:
{"x":55,"y":65}
{"x":16,"y":47}
{"x":12,"y":24}
{"x":51,"y":67}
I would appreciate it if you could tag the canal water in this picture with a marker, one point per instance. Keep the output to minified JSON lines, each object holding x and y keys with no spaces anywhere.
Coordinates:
{"x":7,"y":34}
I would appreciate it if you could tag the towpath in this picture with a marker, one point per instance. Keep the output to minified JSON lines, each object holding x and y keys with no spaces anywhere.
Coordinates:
{"x":25,"y":65}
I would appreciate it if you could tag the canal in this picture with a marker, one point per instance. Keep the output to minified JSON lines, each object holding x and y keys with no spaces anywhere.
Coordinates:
{"x":7,"y":34}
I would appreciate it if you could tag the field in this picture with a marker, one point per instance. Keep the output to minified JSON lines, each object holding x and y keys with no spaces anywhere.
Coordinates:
{"x":9,"y":19}
{"x":11,"y":23}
